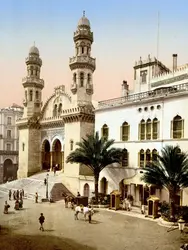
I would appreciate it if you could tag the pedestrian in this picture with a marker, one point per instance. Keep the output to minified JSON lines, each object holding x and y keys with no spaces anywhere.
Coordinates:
{"x":6,"y":207}
{"x":77,"y":211}
{"x":36,"y":197}
{"x":41,"y":221}
{"x":17,"y":194}
{"x":66,"y":201}
{"x":17,"y":205}
{"x":22,"y":192}
{"x":45,"y":181}
{"x":10,"y":194}
{"x":55,"y":170}
{"x":78,"y":194}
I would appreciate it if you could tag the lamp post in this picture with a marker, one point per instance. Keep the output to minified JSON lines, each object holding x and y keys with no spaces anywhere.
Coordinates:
{"x":47,"y":186}
{"x":181,"y":225}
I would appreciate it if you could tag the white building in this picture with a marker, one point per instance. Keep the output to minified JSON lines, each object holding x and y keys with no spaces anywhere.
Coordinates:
{"x":143,"y":122}
{"x":9,"y":142}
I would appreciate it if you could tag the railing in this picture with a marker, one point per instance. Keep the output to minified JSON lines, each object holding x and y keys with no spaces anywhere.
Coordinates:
{"x":144,"y":96}
{"x":33,"y":80}
{"x":82,"y":59}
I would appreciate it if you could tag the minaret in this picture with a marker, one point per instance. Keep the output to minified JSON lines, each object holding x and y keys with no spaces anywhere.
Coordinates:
{"x":82,"y":64}
{"x":32,"y":84}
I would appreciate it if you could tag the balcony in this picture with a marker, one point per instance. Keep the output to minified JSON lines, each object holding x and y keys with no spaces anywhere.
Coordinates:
{"x":32,"y":80}
{"x":85,"y":60}
{"x":144,"y":96}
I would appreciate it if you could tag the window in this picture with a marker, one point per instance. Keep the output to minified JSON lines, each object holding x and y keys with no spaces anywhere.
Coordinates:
{"x":31,"y":95}
{"x":125,"y":131}
{"x":71,"y":145}
{"x":148,"y":156}
{"x":8,"y":147}
{"x":31,"y":70}
{"x":37,"y":95}
{"x":55,"y":110}
{"x":26,"y":95}
{"x":135,"y":74}
{"x":148,"y":129}
{"x":89,"y":78}
{"x":142,"y":130}
{"x":74,"y":78}
{"x":155,"y":128}
{"x":9,"y":121}
{"x":125,"y":157}
{"x":8,"y":133}
{"x":81,"y":79}
{"x":23,"y":146}
{"x":154,"y":155}
{"x":143,"y":75}
{"x":141,"y":158}
{"x":105,"y":131}
{"x":177,"y":127}
{"x":82,"y":50}
{"x":60,"y":109}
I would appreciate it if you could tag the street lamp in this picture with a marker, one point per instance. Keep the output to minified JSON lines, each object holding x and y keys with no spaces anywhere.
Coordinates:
{"x":181,"y":225}
{"x":47,"y":175}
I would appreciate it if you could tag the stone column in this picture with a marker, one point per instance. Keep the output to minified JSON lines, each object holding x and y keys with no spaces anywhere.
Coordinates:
{"x":51,"y":161}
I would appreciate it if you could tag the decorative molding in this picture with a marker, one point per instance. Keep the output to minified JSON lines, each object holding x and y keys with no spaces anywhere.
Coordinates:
{"x":170,"y":80}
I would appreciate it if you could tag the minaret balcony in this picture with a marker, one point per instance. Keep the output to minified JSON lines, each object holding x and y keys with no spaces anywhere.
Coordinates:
{"x":83,"y":34}
{"x":30,"y":81}
{"x":82,"y":62}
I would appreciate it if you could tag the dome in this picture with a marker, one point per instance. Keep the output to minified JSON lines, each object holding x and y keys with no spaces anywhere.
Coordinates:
{"x":84,"y":21}
{"x":34,"y":50}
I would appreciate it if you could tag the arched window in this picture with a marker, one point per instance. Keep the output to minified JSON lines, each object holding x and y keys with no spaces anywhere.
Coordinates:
{"x":71,"y":145}
{"x":141,"y":158}
{"x":55,"y":110}
{"x":105,"y":131}
{"x":31,"y":95}
{"x":81,"y":79}
{"x":82,"y":50}
{"x":89,"y":79}
{"x":31,"y":70}
{"x":86,"y":190}
{"x":125,"y":158}
{"x":148,"y":156}
{"x":60,"y":109}
{"x":142,"y":130}
{"x":155,"y":129}
{"x":125,"y":130}
{"x":154,"y":155}
{"x":177,"y":127}
{"x":37,"y":95}
{"x":148,"y":129}
{"x":74,"y":77}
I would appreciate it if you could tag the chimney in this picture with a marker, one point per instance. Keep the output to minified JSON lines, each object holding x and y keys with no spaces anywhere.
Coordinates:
{"x":175,"y":56}
{"x":125,"y":89}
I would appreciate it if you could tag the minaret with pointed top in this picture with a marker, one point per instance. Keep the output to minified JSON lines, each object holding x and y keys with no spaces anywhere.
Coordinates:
{"x":32,"y":83}
{"x":82,"y":64}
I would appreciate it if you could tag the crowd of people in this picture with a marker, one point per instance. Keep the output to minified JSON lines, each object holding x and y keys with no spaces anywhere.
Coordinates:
{"x":17,"y":196}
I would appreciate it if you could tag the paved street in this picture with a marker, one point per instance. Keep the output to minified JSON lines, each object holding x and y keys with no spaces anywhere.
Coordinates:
{"x":109,"y":231}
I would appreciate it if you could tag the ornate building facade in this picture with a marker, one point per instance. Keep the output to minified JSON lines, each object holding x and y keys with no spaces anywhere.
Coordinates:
{"x":9,"y":142}
{"x":48,"y":132}
{"x":144,"y":121}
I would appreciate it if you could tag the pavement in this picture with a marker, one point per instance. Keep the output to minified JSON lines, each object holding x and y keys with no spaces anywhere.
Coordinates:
{"x":109,"y":230}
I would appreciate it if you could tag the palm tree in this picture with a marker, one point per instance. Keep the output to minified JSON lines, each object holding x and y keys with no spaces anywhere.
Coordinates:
{"x":169,"y":171}
{"x":96,"y":153}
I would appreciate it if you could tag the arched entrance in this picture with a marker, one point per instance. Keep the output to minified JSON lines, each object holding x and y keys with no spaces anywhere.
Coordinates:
{"x":57,"y":154}
{"x":86,"y":190}
{"x":123,"y":189}
{"x":46,"y":155}
{"x":104,"y":185}
{"x":9,"y":171}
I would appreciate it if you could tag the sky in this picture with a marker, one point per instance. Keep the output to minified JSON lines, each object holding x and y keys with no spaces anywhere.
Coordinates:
{"x":123,"y":31}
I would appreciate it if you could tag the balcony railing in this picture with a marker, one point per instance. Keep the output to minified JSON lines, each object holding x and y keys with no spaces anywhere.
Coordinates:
{"x":82,"y":59}
{"x":33,"y":80}
{"x":161,"y":92}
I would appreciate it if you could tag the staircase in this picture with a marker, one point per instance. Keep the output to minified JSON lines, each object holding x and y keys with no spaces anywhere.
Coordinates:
{"x":35,"y":183}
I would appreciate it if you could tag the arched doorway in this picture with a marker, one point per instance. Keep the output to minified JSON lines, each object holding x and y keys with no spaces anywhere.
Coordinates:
{"x":86,"y":190}
{"x":57,"y":154}
{"x":46,"y":155}
{"x":9,"y":171}
{"x":104,"y":184}
{"x":123,"y":189}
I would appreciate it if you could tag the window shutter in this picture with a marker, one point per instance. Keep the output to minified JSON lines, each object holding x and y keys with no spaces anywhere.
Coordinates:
{"x":171,"y":130}
{"x":182,"y":133}
{"x":139,"y":130}
{"x":121,"y":130}
{"x":128,"y":132}
{"x":158,"y":130}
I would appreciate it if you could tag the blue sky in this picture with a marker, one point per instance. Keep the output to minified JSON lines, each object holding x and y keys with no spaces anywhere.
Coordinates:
{"x":123,"y":31}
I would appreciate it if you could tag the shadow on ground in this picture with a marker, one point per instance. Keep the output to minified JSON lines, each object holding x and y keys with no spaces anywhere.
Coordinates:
{"x":13,"y":241}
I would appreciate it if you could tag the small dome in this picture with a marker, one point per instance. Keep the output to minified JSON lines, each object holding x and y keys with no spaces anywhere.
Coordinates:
{"x":34,"y":50}
{"x":84,"y":21}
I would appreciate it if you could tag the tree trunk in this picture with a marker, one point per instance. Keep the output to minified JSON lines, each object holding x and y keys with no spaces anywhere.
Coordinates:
{"x":172,"y":201}
{"x":96,"y":187}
